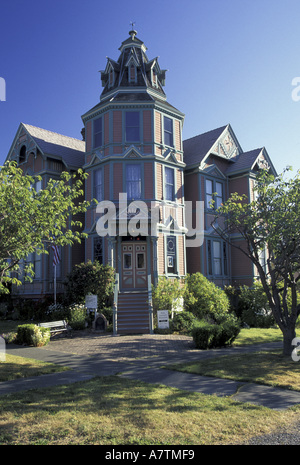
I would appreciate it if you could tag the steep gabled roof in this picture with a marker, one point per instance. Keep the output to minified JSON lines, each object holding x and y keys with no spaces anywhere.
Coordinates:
{"x":69,"y":150}
{"x":196,"y":148}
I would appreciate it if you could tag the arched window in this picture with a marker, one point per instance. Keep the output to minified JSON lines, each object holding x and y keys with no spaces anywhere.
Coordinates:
{"x":22,"y":154}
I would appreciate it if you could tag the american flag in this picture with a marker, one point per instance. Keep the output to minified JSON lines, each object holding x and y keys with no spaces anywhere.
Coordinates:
{"x":56,"y":257}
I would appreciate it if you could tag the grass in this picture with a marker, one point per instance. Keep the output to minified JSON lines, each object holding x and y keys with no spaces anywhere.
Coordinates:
{"x":116,"y":411}
{"x":19,"y":367}
{"x":265,"y":367}
{"x":259,"y":336}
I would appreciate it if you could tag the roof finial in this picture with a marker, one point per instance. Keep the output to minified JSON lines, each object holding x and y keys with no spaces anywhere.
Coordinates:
{"x":132,"y":33}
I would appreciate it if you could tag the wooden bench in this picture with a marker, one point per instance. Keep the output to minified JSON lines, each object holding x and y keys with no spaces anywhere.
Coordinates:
{"x":56,"y":326}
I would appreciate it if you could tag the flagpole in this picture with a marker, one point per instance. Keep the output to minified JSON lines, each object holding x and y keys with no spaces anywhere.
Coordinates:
{"x":54,"y":284}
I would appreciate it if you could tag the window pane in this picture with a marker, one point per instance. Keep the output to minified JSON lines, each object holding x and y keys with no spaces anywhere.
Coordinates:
{"x":209,"y":186}
{"x":133,"y":182}
{"x":127,"y":261}
{"x":169,"y":184}
{"x":132,"y":126}
{"x":98,"y":184}
{"x":217,"y":258}
{"x":98,"y":249}
{"x":97,"y":126}
{"x":141,"y":260}
{"x":219,"y":189}
{"x":168,"y":131}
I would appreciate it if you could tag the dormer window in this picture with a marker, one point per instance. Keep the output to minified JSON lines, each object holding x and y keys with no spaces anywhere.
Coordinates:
{"x":154,"y":78}
{"x":111,"y":78}
{"x":132,"y":73}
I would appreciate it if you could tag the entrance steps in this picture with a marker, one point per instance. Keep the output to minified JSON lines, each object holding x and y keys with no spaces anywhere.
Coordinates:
{"x":133,"y":313}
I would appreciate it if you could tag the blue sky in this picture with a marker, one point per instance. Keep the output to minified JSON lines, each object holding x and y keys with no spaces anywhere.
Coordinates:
{"x":228,"y":61}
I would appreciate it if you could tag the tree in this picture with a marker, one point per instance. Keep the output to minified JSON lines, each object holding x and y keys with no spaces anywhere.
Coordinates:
{"x":32,"y":221}
{"x":269,"y":230}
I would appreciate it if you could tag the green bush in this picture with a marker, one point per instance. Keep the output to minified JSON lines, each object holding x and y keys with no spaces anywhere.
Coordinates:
{"x":183,"y":321}
{"x":251,"y":306}
{"x":32,"y":335}
{"x":77,"y":316}
{"x":90,"y":278}
{"x":204,"y":299}
{"x":209,"y":336}
{"x":165,"y":293}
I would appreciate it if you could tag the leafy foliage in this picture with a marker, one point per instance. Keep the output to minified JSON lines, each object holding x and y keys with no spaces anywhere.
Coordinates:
{"x":204,"y":299}
{"x":269,"y":226}
{"x":31,"y":221}
{"x":90,"y":278}
{"x":165,"y":293}
{"x":208,"y":336}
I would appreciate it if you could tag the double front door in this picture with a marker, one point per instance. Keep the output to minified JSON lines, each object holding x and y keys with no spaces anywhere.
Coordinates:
{"x":134,"y":265}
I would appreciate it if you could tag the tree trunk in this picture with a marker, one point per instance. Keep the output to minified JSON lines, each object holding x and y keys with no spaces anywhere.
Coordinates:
{"x":288,"y":335}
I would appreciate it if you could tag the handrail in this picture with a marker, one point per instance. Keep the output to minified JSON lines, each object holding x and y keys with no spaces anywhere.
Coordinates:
{"x":150,"y":304}
{"x":115,"y":305}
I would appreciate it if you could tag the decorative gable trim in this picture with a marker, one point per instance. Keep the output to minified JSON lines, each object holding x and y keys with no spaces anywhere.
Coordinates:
{"x":133,"y":153}
{"x":214,"y":171}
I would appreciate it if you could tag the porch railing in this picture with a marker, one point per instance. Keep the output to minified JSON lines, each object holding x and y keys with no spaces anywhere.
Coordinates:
{"x":115,"y":306}
{"x":150,"y":304}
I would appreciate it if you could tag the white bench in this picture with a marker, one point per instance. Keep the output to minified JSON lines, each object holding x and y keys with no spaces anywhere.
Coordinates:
{"x":56,"y":326}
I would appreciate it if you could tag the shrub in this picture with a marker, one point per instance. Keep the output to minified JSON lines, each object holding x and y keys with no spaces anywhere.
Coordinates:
{"x":208,"y":335}
{"x":165,"y":293}
{"x":183,"y":321}
{"x":90,"y":278}
{"x":32,"y":335}
{"x":204,"y":299}
{"x":77,"y":316}
{"x":252,"y":307}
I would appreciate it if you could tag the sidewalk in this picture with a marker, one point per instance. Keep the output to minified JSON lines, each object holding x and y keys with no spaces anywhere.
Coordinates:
{"x":142,"y":358}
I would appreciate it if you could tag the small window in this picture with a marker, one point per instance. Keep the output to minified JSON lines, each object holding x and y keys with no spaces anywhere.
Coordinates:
{"x":132,"y":73}
{"x":168,"y":131}
{"x":217,"y":258}
{"x":98,"y":249}
{"x":219,"y":194}
{"x":169,"y":184}
{"x":133,"y":181}
{"x":213,"y":191}
{"x":22,"y":154}
{"x":97,"y":126}
{"x":132,"y":126}
{"x":209,"y":193}
{"x":98,"y":185}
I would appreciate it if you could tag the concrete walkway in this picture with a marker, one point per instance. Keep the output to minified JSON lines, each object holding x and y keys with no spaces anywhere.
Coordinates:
{"x":142,"y":358}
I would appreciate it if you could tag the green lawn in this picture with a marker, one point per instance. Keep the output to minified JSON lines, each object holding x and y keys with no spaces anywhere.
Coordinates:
{"x":19,"y":367}
{"x":116,"y":411}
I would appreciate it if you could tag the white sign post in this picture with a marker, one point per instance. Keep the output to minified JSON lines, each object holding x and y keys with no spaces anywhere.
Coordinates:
{"x":163,"y":319}
{"x":91,"y":302}
{"x":2,"y":349}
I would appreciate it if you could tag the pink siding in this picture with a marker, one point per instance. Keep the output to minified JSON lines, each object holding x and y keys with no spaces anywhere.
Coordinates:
{"x":177,"y":135}
{"x":38,"y":163}
{"x":118,"y":179}
{"x":147,"y":127}
{"x":106,"y":181}
{"x":117,"y":129}
{"x":106,"y":128}
{"x":159,"y":188}
{"x":148,"y":177}
{"x":179,"y":186}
